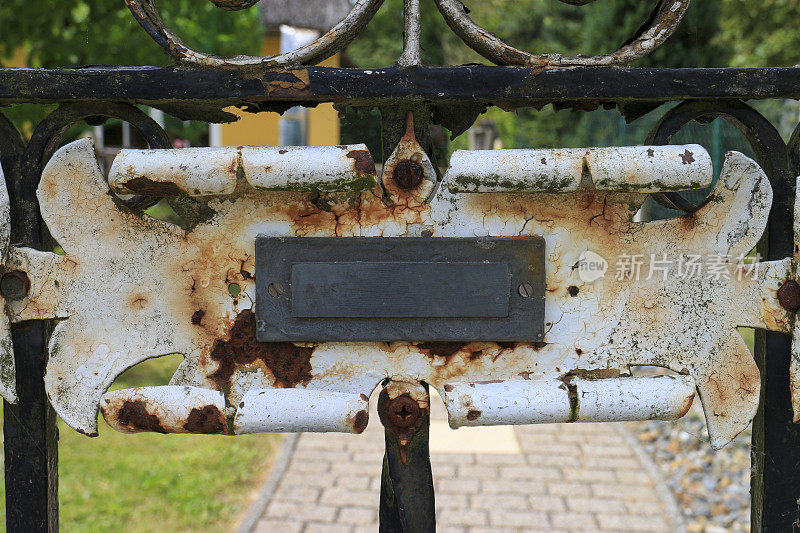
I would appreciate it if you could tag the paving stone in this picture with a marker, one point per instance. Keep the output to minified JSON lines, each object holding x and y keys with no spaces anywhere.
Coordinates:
{"x":565,"y":478}
{"x":574,"y":521}
{"x":521,"y":519}
{"x":324,"y":527}
{"x":629,"y":522}
{"x":462,"y":517}
{"x":270,"y":526}
{"x":357,"y":516}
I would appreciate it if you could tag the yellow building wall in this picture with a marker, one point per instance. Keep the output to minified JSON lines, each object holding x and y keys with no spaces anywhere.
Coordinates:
{"x":262,"y":129}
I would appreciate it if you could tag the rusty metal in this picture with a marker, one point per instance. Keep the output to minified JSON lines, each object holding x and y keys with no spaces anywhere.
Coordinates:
{"x":146,"y":13}
{"x":171,"y":274}
{"x":667,"y":16}
{"x":190,"y":290}
{"x":789,"y":295}
{"x":643,"y":169}
{"x":14,"y":285}
{"x":408,"y":175}
{"x":402,"y":412}
{"x":403,"y":408}
{"x":407,"y":500}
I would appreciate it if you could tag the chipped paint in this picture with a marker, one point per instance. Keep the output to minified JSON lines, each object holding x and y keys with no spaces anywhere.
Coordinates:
{"x":408,"y":176}
{"x":642,"y":169}
{"x":8,"y":373}
{"x":168,"y":292}
{"x":568,"y":399}
{"x":215,"y":171}
{"x":165,"y":409}
{"x":279,"y":410}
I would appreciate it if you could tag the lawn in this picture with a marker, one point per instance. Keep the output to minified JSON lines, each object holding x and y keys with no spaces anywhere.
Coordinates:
{"x":149,"y":482}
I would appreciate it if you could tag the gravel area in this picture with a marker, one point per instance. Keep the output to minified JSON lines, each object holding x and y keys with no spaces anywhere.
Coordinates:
{"x":712,"y":488}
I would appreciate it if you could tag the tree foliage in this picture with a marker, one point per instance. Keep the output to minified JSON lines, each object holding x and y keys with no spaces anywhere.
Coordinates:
{"x":85,"y":32}
{"x":760,"y":33}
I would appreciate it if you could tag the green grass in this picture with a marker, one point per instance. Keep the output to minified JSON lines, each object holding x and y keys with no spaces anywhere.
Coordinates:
{"x":151,"y":482}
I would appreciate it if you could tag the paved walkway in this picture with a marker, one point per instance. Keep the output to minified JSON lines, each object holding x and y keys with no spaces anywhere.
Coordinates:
{"x":566,"y":477}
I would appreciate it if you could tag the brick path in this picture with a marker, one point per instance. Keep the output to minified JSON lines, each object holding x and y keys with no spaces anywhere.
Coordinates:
{"x":567,"y":477}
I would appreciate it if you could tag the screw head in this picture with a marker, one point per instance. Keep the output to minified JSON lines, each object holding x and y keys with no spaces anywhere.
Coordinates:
{"x":525,"y":290}
{"x":275,"y":289}
{"x":408,"y":174}
{"x":789,"y":295}
{"x":14,"y":285}
{"x":403,"y":412}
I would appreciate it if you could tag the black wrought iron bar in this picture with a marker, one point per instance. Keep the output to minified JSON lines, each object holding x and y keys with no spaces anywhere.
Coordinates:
{"x":489,"y":84}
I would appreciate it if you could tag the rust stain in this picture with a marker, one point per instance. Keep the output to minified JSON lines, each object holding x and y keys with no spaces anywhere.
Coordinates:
{"x":197,"y":317}
{"x":137,"y":301}
{"x":411,"y":418}
{"x":599,"y":373}
{"x":148,"y":187}
{"x":134,"y":415}
{"x":441,"y":349}
{"x":208,"y":420}
{"x":408,"y":174}
{"x":362,"y":161}
{"x":789,"y":295}
{"x":473,"y":414}
{"x":687,"y":157}
{"x":686,"y":405}
{"x":360,"y":422}
{"x":289,"y":364}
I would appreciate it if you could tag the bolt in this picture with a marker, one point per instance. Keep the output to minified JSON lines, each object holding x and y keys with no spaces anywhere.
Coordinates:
{"x":275,"y":289}
{"x":789,"y":295}
{"x":525,"y":290}
{"x":14,"y":285}
{"x":408,"y":174}
{"x":403,"y":412}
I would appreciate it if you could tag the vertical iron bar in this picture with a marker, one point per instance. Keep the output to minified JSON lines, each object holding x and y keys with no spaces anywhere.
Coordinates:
{"x":407,"y":503}
{"x":775,"y":486}
{"x":29,"y":426}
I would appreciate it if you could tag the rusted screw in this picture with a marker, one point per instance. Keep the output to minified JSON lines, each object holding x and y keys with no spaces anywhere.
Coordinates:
{"x":408,"y":174}
{"x":403,"y":412}
{"x":789,"y":295}
{"x":525,"y":290}
{"x":14,"y":285}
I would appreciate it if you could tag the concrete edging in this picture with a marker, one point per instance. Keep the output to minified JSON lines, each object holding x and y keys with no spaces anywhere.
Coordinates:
{"x":671,"y":506}
{"x":279,"y":468}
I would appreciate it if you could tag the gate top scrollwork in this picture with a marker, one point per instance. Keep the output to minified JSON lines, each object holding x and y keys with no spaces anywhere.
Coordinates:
{"x":665,"y":17}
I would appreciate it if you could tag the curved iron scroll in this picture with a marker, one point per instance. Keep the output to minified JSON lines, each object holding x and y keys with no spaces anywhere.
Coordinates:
{"x":767,"y":143}
{"x":666,"y":17}
{"x":145,"y":12}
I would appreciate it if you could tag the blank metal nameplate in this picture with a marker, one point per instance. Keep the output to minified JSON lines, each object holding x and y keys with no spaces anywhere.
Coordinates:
{"x":404,"y":288}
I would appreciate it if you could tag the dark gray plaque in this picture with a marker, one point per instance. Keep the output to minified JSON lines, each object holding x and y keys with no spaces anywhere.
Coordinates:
{"x":401,"y":288}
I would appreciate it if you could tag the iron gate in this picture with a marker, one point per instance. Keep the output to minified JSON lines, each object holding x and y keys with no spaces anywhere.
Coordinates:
{"x":305,"y":278}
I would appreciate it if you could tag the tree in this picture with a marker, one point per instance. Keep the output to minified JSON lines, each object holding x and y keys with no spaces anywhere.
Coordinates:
{"x":760,"y":33}
{"x":94,"y":32}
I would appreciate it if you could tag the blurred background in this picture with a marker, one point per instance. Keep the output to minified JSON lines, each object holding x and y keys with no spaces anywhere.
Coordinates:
{"x":189,"y":483}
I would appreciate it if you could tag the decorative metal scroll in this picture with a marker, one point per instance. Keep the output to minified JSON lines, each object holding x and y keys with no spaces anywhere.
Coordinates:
{"x":131,"y":287}
{"x":665,"y":18}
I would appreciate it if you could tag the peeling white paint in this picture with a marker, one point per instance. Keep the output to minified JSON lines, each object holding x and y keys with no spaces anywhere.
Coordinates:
{"x":143,"y":288}
{"x":280,"y":410}
{"x":642,"y":169}
{"x":569,"y":399}
{"x":167,"y":408}
{"x":8,"y":374}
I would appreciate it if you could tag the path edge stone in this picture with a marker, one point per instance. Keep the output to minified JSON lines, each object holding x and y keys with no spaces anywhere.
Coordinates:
{"x":671,"y":507}
{"x":279,"y":467}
